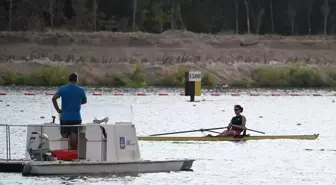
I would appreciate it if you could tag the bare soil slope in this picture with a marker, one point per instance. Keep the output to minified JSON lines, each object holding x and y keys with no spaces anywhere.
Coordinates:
{"x":228,"y":57}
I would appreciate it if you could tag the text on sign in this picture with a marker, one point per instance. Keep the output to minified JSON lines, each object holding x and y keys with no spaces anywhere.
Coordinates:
{"x":195,"y":76}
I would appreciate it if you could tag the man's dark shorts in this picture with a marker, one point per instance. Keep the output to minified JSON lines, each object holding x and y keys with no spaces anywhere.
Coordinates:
{"x":68,"y":130}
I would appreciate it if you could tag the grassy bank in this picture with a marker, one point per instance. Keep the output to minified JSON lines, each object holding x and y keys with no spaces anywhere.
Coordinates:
{"x":293,"y":75}
{"x":43,"y":76}
{"x":55,"y":76}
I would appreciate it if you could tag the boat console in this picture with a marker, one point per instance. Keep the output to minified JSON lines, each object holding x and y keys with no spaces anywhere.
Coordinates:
{"x":117,"y":145}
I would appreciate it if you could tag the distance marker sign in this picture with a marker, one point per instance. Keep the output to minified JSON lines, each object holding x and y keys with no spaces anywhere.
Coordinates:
{"x":193,"y":84}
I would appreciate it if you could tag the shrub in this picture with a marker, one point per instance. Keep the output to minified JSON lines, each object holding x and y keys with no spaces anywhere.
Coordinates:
{"x":208,"y":80}
{"x":331,"y":72}
{"x":177,"y":79}
{"x":298,"y":75}
{"x":306,"y":77}
{"x":115,"y":80}
{"x":269,"y":77}
{"x":136,"y":79}
{"x":48,"y":76}
{"x":43,"y":76}
{"x":9,"y":78}
{"x":243,"y":82}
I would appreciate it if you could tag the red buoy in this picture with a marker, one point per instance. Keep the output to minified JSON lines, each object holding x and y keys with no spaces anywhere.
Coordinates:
{"x":29,"y":93}
{"x":118,"y":94}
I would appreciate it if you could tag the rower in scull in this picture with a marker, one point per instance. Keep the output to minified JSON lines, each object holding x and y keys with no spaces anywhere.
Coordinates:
{"x":237,"y":123}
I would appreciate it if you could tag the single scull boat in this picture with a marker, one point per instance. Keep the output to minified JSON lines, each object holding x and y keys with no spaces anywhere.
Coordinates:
{"x":238,"y":138}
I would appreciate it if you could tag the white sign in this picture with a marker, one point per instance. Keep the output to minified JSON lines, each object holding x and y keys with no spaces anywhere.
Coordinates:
{"x":195,"y":76}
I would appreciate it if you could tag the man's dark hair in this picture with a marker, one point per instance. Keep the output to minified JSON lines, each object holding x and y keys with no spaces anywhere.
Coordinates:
{"x":73,"y":77}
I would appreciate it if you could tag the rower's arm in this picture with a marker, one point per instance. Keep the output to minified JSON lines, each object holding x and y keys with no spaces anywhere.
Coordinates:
{"x":244,"y":122}
{"x":229,"y":125}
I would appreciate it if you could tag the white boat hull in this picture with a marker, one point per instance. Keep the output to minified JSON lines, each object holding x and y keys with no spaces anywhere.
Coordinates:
{"x":40,"y":168}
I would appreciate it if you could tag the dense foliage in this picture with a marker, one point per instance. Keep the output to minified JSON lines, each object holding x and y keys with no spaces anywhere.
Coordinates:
{"x":287,"y":17}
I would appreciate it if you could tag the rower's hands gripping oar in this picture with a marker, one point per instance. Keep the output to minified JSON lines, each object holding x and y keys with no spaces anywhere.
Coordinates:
{"x":198,"y":130}
{"x":248,"y":129}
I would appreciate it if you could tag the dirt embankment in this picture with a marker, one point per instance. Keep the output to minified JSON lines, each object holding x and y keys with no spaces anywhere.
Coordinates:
{"x":93,"y":55}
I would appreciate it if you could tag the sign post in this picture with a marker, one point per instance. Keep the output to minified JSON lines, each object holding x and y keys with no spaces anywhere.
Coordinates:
{"x":193,"y":84}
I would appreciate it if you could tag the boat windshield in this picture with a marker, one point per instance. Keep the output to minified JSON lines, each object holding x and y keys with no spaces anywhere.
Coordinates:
{"x":114,"y":112}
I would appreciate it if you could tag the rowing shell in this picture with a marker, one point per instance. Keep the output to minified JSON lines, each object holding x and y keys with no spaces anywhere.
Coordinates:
{"x":239,"y":138}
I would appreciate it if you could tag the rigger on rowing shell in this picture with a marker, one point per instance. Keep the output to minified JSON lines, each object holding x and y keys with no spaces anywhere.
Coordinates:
{"x":237,"y":123}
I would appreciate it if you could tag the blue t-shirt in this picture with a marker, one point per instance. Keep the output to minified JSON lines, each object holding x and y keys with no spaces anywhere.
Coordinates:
{"x":72,"y":96}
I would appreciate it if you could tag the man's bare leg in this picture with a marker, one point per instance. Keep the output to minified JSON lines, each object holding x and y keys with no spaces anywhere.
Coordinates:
{"x":67,"y":136}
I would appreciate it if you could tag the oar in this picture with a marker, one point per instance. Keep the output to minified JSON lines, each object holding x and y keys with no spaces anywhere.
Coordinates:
{"x":213,"y":131}
{"x":198,"y":130}
{"x":249,"y":129}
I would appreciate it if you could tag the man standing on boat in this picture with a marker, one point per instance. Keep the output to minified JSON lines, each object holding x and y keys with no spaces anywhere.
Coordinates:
{"x":73,"y":96}
{"x":237,"y":123}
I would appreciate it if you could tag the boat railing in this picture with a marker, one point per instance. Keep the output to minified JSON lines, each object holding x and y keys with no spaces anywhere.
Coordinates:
{"x":8,"y":128}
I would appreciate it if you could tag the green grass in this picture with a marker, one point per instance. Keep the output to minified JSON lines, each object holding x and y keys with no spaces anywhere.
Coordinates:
{"x":136,"y":79}
{"x":295,"y":75}
{"x":43,"y":76}
{"x":331,"y":72}
{"x":242,"y":82}
{"x":208,"y":80}
{"x":177,"y":79}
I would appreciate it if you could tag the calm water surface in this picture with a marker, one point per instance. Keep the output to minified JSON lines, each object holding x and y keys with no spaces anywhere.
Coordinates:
{"x":252,"y":162}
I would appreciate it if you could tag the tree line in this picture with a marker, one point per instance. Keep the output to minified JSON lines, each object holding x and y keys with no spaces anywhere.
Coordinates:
{"x":285,"y":17}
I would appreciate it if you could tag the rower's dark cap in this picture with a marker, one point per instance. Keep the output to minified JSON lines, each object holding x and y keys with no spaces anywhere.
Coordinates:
{"x":73,"y":77}
{"x":239,"y":107}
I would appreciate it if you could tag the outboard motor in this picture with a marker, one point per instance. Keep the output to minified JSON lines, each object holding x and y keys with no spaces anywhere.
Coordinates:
{"x":38,"y":147}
